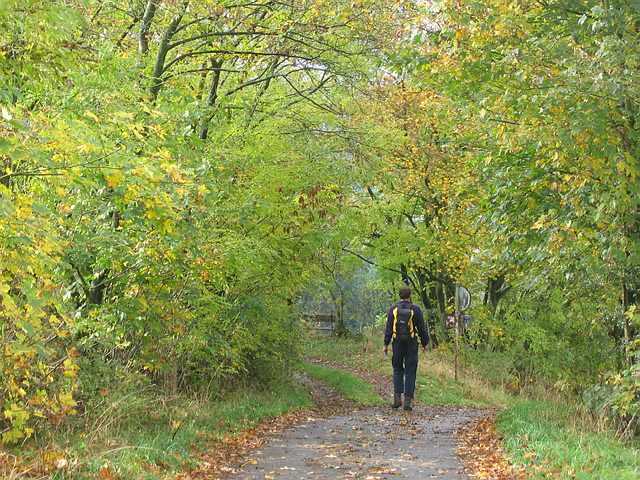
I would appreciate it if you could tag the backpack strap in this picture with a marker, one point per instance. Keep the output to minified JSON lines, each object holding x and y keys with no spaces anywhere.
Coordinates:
{"x":395,"y":321}
{"x":412,"y":330}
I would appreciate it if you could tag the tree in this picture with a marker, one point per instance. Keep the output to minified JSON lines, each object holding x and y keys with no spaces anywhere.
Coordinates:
{"x":169,"y":170}
{"x":541,"y":106}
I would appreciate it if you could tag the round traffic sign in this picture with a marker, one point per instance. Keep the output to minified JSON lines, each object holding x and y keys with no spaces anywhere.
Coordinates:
{"x":463,"y":297}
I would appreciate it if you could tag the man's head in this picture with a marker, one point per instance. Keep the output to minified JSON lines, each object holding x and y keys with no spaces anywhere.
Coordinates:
{"x":405,"y":292}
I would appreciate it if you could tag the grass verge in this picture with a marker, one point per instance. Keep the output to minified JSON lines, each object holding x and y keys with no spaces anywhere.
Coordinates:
{"x":348,"y":384}
{"x":550,"y":440}
{"x":149,"y":436}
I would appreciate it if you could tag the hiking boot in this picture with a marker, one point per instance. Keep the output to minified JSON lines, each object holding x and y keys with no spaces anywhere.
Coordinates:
{"x":397,"y":400}
{"x":407,"y":403}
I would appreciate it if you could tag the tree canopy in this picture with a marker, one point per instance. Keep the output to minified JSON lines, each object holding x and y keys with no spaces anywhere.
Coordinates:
{"x":177,"y":174}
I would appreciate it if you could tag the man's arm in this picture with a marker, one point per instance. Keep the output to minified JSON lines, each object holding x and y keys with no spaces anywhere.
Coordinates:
{"x":388,"y":331}
{"x":422,"y":328}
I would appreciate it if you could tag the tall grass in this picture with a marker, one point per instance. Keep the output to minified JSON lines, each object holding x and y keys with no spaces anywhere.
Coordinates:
{"x":557,"y":441}
{"x":148,"y":434}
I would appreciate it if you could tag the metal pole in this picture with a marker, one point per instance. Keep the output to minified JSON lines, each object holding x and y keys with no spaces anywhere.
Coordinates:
{"x":457,"y":324}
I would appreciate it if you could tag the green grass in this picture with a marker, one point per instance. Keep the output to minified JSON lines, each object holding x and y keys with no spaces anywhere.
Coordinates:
{"x":432,"y":390}
{"x":358,"y":352}
{"x":550,"y":440}
{"x":434,"y":384}
{"x":348,"y":384}
{"x":155,"y":435}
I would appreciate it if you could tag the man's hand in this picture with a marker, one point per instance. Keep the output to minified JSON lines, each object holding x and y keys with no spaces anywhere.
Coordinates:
{"x":385,"y":349}
{"x":424,"y":349}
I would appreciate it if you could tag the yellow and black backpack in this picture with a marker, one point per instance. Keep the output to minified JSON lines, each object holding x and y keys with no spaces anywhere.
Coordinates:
{"x":403,"y":327}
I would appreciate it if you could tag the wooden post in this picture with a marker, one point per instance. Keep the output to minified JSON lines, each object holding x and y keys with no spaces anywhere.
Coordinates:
{"x":625,"y":324}
{"x":457,"y":331}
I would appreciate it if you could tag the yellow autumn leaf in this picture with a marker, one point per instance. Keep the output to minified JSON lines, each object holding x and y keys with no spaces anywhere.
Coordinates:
{"x":91,"y":115}
{"x":114,"y":179}
{"x":66,"y":401}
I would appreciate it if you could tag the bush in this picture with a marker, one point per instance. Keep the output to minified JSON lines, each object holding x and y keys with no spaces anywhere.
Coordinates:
{"x":38,"y":370}
{"x":542,"y":339}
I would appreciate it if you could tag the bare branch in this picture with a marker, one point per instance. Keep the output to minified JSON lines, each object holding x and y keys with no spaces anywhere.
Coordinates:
{"x":230,"y":33}
{"x":179,"y":58}
{"x":370,"y":262}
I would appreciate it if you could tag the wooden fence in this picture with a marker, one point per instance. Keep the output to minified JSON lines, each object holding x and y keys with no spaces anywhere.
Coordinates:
{"x":321,"y":324}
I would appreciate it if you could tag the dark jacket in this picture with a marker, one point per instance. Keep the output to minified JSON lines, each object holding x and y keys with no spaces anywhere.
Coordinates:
{"x":418,"y":323}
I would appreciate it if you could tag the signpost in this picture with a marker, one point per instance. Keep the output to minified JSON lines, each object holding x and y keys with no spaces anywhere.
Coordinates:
{"x":462,"y":301}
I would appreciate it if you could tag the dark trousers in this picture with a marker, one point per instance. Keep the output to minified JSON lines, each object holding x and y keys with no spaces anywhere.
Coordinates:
{"x":405,"y":364}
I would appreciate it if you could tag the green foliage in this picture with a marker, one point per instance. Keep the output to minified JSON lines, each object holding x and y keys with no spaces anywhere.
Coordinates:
{"x":348,"y":384}
{"x":617,"y":400}
{"x":166,"y":182}
{"x":37,"y":354}
{"x":543,"y":338}
{"x":37,"y":357}
{"x":625,"y":399}
{"x":437,"y":391}
{"x":506,"y":158}
{"x":172,"y":179}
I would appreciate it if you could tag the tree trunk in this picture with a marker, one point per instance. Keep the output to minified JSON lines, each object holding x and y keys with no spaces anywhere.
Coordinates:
{"x":147,"y":18}
{"x":163,"y":50}
{"x":494,"y":291}
{"x":5,"y":176}
{"x":429,"y":321}
{"x":216,"y":65}
{"x":630,"y":297}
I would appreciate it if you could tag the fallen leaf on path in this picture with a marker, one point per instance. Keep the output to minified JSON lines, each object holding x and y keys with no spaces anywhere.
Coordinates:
{"x":480,"y":447}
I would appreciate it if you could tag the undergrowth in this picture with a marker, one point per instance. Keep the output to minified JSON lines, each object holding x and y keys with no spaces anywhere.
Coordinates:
{"x":552,"y":442}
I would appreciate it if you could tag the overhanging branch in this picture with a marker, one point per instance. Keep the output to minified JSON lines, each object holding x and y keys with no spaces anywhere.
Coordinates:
{"x":370,"y":262}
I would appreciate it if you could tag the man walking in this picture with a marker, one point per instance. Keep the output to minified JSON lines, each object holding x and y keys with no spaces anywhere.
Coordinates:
{"x":404,"y":324}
